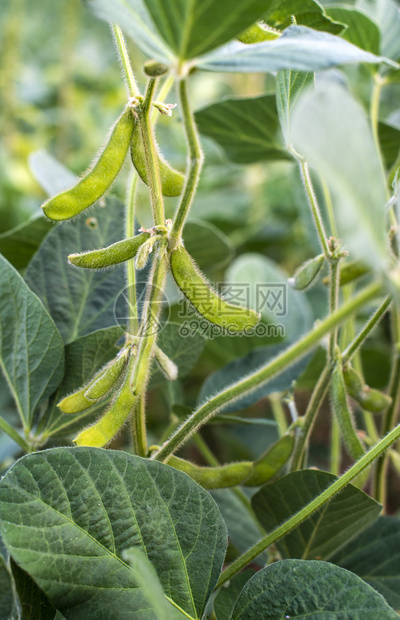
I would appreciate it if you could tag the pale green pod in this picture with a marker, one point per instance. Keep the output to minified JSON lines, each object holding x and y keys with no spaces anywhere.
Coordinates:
{"x":168,"y":367}
{"x":269,"y":464}
{"x":99,"y":177}
{"x":307,"y":273}
{"x":221,"y":477}
{"x":99,"y":434}
{"x":204,"y":299}
{"x":114,"y":254}
{"x":368,"y":398}
{"x":107,"y":380}
{"x":256,"y":33}
{"x":78,"y":401}
{"x":344,"y":415}
{"x":172,"y":181}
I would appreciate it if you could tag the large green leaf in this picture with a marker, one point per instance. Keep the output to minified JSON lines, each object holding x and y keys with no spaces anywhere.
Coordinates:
{"x":299,"y":48}
{"x":19,"y":244}
{"x":31,"y":348}
{"x":34,"y":604}
{"x":289,"y":86}
{"x":226,"y":597}
{"x":83,"y":358}
{"x":375,"y":556}
{"x":386,"y":13}
{"x":361,"y":30}
{"x":247,"y":129}
{"x":69,"y":514}
{"x":321,"y":125}
{"x":6,"y":596}
{"x":306,"y":13}
{"x":79,"y":300}
{"x":325,"y":531}
{"x":309,"y":589}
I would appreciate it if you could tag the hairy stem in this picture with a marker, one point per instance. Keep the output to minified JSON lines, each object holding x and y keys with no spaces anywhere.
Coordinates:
{"x":315,"y":210}
{"x":195,"y":165}
{"x":130,"y":265}
{"x":366,"y":330}
{"x":125,"y":62}
{"x":312,"y":507}
{"x":252,"y":381}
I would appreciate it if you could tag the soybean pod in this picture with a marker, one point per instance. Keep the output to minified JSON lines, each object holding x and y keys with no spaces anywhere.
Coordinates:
{"x":344,"y":415}
{"x":112,"y":255}
{"x":204,"y":299}
{"x":99,"y":177}
{"x":108,"y":379}
{"x":172,"y":181}
{"x":99,"y":434}
{"x":220,"y":477}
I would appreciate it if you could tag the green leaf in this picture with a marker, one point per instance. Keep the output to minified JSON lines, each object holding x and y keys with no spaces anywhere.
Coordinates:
{"x":245,"y":128}
{"x":31,"y":348}
{"x":309,"y":589}
{"x":68,"y":514}
{"x":6,"y":596}
{"x":289,"y":86}
{"x":299,"y":48}
{"x":79,"y":300}
{"x":325,"y":531}
{"x":51,"y":174}
{"x":360,"y":31}
{"x":34,"y":604}
{"x":19,"y":244}
{"x":236,"y":370}
{"x":83,"y":358}
{"x":243,"y":528}
{"x":389,"y":138}
{"x":210,"y":248}
{"x":386,"y":14}
{"x":227,"y":596}
{"x":265,"y":284}
{"x":375,"y":557}
{"x":183,"y":350}
{"x":148,"y":580}
{"x":306,"y":13}
{"x":322,"y":122}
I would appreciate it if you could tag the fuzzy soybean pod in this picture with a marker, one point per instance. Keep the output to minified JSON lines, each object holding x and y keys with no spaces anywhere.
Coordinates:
{"x":220,"y":477}
{"x":269,"y":463}
{"x":114,"y":254}
{"x":344,"y":415}
{"x":172,"y":181}
{"x":99,"y":434}
{"x":368,"y":398}
{"x":101,"y":383}
{"x":204,"y":299}
{"x":307,"y":273}
{"x":99,"y":177}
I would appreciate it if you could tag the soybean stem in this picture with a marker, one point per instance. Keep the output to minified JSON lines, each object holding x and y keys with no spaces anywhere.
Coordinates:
{"x":311,"y":507}
{"x":265,"y":373}
{"x":195,"y":164}
{"x":125,"y":62}
{"x":150,"y":153}
{"x":11,"y":432}
{"x":130,"y":265}
{"x":305,"y":173}
{"x":359,"y":340}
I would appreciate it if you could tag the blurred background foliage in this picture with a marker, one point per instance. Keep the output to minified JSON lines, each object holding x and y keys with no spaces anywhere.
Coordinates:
{"x":61,"y":89}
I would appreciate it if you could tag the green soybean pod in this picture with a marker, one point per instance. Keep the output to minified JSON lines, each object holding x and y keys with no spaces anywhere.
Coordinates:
{"x":344,"y":415}
{"x":204,"y":299}
{"x":99,"y":177}
{"x":107,"y":380}
{"x":269,"y":464}
{"x":172,"y":181}
{"x":114,"y":254}
{"x":307,"y":273}
{"x":221,"y":477}
{"x":101,"y":432}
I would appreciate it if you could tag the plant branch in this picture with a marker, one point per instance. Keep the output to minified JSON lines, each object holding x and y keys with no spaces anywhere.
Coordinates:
{"x":311,"y":507}
{"x":130,"y":265}
{"x":125,"y":62}
{"x":365,"y":332}
{"x":261,"y":376}
{"x":195,"y":165}
{"x":11,"y":432}
{"x":315,"y":210}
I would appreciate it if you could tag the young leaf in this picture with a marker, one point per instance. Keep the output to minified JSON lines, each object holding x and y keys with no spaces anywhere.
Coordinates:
{"x":322,"y":122}
{"x":79,"y":301}
{"x":375,"y":557}
{"x":245,"y":128}
{"x":299,"y":48}
{"x":298,"y":589}
{"x":31,"y":348}
{"x":97,"y":504}
{"x":324,"y":532}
